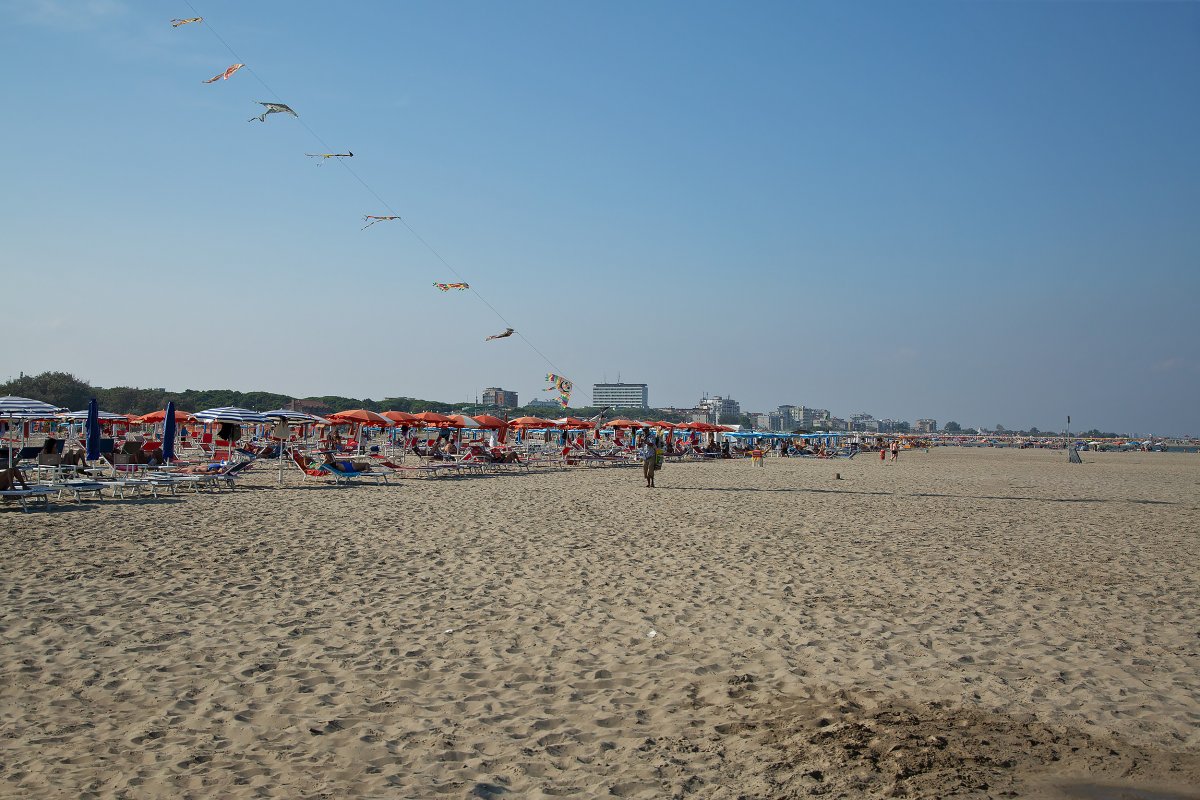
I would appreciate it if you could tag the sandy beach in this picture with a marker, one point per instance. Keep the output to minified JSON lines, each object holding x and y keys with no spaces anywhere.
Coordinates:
{"x":963,"y":623}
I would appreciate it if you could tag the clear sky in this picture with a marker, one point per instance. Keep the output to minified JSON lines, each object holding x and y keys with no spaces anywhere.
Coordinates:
{"x":987,"y":212}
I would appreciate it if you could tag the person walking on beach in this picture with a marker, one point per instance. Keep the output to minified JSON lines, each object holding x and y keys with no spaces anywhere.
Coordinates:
{"x":895,"y":449}
{"x":649,"y":454}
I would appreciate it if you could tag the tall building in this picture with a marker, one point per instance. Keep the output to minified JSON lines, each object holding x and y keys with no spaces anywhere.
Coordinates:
{"x":810,"y":418}
{"x":500,"y":398}
{"x":787,"y":417}
{"x":717,"y":409}
{"x":925,"y":426}
{"x":864,"y":422}
{"x":621,"y":395}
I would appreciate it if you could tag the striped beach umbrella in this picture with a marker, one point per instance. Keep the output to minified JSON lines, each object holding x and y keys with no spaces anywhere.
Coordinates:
{"x":238,"y":416}
{"x":103,"y":416}
{"x":295,"y":417}
{"x":23,"y":408}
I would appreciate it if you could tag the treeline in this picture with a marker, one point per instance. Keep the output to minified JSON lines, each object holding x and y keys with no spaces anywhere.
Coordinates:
{"x":67,"y":391}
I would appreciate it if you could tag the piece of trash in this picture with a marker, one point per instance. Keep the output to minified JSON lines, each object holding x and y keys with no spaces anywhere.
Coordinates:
{"x":652,"y":634}
{"x":449,"y":630}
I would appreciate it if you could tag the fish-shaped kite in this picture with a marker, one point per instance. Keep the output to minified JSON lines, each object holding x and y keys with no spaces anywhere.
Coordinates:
{"x":272,"y":108}
{"x":225,"y":75}
{"x":375,"y":219}
{"x":175,"y":23}
{"x":507,"y":332}
{"x":324,"y":156}
{"x":445,"y":287}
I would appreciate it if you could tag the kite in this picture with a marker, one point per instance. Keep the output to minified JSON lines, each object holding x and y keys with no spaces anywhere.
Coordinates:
{"x":445,"y":287}
{"x":507,"y":332}
{"x":324,"y":156}
{"x":375,"y":219}
{"x":175,"y":23}
{"x":561,"y":385}
{"x":225,"y":75}
{"x":272,"y":108}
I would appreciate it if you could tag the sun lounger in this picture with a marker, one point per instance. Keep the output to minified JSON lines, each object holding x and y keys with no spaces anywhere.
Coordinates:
{"x":24,"y":496}
{"x":340,"y":474}
{"x":79,"y":488}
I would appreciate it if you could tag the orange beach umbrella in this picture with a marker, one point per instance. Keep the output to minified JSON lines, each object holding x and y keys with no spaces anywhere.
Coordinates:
{"x":159,"y":416}
{"x":436,"y":420}
{"x":360,"y":416}
{"x":530,"y":422}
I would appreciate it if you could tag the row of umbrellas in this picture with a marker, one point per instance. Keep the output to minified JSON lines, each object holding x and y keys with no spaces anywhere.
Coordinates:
{"x":22,"y":408}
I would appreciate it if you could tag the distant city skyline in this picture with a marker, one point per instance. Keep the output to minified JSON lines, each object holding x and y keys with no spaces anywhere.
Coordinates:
{"x":982,"y":212}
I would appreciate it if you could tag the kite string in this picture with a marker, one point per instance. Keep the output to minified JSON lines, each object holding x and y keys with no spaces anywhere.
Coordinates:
{"x":275,"y":96}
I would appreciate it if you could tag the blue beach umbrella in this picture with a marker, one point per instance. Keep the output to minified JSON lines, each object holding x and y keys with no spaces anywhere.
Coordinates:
{"x":91,"y":430}
{"x":168,"y":448}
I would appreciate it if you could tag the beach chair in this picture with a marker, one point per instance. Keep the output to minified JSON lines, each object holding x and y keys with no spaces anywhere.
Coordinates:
{"x":340,"y":474}
{"x":79,"y":488}
{"x":25,"y":496}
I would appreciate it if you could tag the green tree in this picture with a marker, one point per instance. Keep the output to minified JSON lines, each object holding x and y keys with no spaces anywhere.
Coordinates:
{"x":57,"y":388}
{"x":952,"y":427}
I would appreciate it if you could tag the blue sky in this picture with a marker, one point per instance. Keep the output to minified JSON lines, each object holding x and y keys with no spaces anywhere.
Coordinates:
{"x":975,"y":211}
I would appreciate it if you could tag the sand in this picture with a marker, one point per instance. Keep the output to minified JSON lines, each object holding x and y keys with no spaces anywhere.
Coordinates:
{"x":964,"y":623}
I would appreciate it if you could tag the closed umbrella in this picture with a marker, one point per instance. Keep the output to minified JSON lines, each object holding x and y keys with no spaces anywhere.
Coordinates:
{"x":168,"y":448}
{"x":92,"y":431}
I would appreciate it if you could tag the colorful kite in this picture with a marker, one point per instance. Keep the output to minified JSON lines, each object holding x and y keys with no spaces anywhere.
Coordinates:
{"x":445,"y":287}
{"x":175,"y":23}
{"x":507,"y":332}
{"x":561,"y":385}
{"x":272,"y":108}
{"x":375,"y":219}
{"x":324,"y":156}
{"x":224,"y":76}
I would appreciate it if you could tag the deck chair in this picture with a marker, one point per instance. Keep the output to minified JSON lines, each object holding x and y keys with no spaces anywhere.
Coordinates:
{"x":340,"y":474}
{"x":25,"y":496}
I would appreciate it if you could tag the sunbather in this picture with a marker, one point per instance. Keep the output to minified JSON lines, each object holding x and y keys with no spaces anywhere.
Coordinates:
{"x":11,"y":477}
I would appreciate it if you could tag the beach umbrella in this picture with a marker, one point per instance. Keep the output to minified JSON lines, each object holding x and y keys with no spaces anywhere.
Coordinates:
{"x":530,"y":422}
{"x":571,"y":423}
{"x":465,"y":421}
{"x":230,"y":414}
{"x":103,"y":416}
{"x":295,"y":417}
{"x":92,"y":431}
{"x":290,"y":417}
{"x":618,"y":424}
{"x":160,"y":416}
{"x":401,"y":417}
{"x":490,"y":422}
{"x":23,"y":409}
{"x":434,"y":419}
{"x":361,"y":416}
{"x":238,"y":416}
{"x":168,"y":447}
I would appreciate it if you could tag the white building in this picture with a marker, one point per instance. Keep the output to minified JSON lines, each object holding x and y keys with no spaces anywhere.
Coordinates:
{"x":621,"y":395}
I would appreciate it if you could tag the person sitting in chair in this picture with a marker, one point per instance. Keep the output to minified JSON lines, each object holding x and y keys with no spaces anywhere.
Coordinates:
{"x":10,"y":477}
